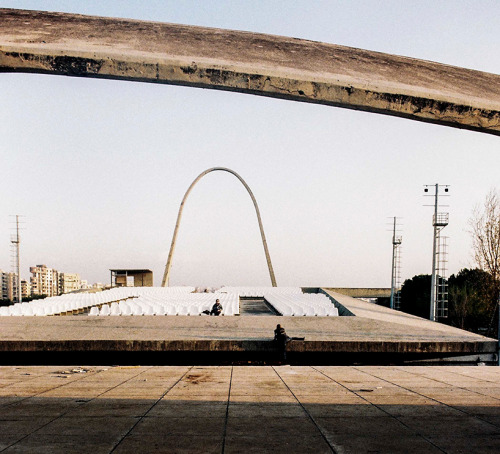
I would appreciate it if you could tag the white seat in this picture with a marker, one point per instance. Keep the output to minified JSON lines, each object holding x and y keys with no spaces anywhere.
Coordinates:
{"x":137,"y":310}
{"x":15,"y":310}
{"x":94,"y":311}
{"x":105,"y":310}
{"x":27,"y":310}
{"x":38,"y":311}
{"x":159,"y":310}
{"x":126,"y":310}
{"x":321,"y":312}
{"x":309,"y":311}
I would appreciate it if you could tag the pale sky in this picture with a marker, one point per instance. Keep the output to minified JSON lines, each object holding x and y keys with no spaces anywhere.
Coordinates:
{"x":99,"y":167}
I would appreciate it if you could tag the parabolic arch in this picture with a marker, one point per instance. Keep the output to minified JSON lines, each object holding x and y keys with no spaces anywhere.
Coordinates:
{"x":168,"y":266}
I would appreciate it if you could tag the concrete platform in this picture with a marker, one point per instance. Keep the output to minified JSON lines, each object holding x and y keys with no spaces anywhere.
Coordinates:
{"x":237,"y":409}
{"x":275,"y":66}
{"x":367,"y":334}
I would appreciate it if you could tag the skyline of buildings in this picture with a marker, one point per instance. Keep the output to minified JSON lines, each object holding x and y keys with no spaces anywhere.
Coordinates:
{"x":44,"y":281}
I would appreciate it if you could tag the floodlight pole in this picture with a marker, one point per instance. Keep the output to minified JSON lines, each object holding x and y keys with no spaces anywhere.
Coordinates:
{"x":17,"y":241}
{"x":392,"y":267}
{"x":434,"y":248}
{"x":395,"y":244}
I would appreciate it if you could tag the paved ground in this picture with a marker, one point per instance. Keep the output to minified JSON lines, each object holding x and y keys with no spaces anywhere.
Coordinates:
{"x":235,"y":409}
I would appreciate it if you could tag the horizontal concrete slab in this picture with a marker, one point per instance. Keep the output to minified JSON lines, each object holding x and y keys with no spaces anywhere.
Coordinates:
{"x":370,"y":333}
{"x":275,"y":66}
{"x":243,"y":335}
{"x":362,"y":292}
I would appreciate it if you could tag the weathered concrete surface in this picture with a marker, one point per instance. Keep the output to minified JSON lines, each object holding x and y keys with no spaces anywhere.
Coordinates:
{"x":403,"y":335}
{"x":235,"y":409}
{"x":281,"y":67}
{"x":379,"y":314}
{"x":362,"y":292}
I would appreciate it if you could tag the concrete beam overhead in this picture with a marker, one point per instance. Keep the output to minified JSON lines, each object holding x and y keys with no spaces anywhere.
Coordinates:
{"x":267,"y":65}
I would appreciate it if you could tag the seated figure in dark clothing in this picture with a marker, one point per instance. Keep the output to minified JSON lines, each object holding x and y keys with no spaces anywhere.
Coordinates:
{"x":216,"y":308}
{"x":281,"y":339}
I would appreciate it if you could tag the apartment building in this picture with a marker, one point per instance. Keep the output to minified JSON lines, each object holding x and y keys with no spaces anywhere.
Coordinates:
{"x":69,"y":282}
{"x":8,"y":286}
{"x":25,"y":289}
{"x":3,"y":285}
{"x":44,"y":281}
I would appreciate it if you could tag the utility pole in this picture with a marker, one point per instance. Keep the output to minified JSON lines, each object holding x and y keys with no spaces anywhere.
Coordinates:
{"x":439,"y":222}
{"x":16,"y":241}
{"x":396,"y":243}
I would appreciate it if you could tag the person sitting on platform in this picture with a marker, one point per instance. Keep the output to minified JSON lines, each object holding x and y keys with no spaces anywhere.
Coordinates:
{"x":216,"y":308}
{"x":281,"y":339}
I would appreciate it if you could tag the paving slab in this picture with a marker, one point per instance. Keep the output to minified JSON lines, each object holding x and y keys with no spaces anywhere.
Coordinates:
{"x":356,"y":409}
{"x":167,"y":444}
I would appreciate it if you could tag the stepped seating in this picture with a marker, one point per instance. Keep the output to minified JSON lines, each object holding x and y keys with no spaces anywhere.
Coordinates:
{"x":77,"y":303}
{"x":304,"y":304}
{"x":152,"y":301}
{"x":259,"y":292}
{"x":173,"y":301}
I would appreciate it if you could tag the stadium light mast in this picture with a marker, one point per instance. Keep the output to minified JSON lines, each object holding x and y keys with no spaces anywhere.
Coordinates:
{"x":396,"y":268}
{"x":439,"y":222}
{"x":16,"y":242}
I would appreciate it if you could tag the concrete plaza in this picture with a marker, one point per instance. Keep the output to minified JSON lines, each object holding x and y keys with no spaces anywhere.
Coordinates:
{"x":235,"y":409}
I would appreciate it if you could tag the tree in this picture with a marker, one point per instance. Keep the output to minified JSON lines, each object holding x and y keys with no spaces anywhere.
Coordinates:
{"x":471,"y":296}
{"x":416,"y":295}
{"x":471,"y":292}
{"x":485,"y":231}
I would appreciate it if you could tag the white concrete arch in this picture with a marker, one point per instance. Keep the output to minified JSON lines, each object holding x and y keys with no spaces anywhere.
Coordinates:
{"x":168,"y":266}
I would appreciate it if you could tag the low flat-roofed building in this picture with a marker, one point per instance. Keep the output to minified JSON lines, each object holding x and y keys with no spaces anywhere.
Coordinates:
{"x":131,"y":278}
